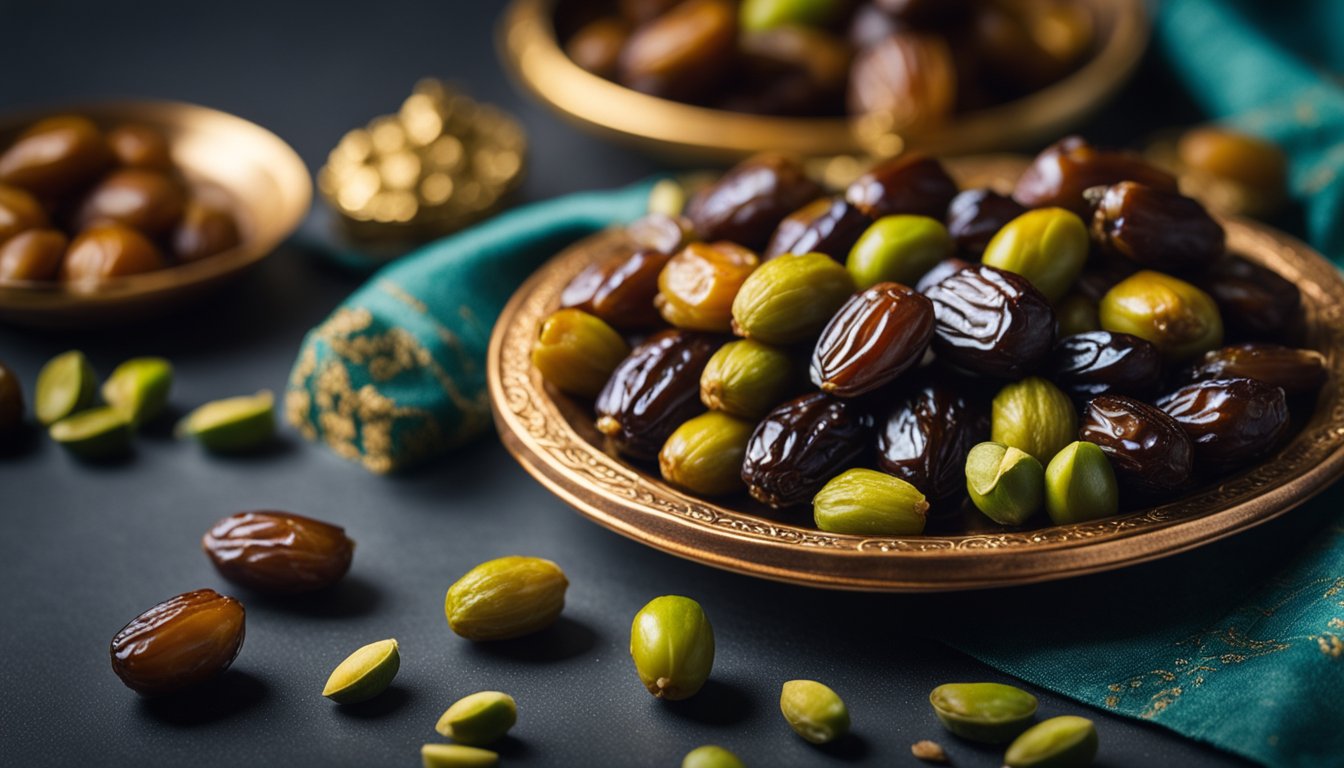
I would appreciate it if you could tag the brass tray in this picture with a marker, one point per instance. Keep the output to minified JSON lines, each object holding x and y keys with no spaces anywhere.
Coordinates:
{"x":553,"y":438}
{"x":527,"y":42}
{"x":261,"y":178}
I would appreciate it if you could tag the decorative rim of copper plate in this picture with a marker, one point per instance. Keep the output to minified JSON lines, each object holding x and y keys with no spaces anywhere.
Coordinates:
{"x":553,"y":439}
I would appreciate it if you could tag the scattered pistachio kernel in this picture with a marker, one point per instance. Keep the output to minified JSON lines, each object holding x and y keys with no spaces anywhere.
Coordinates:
{"x":232,"y":425}
{"x":365,"y":673}
{"x":456,"y":756}
{"x":1060,"y":742}
{"x":98,"y":433}
{"x":992,"y":713}
{"x":65,"y":385}
{"x":505,"y":598}
{"x":814,"y":711}
{"x":672,"y":644}
{"x":138,"y":388}
{"x":479,"y":719}
{"x":1005,"y":483}
{"x":711,"y":756}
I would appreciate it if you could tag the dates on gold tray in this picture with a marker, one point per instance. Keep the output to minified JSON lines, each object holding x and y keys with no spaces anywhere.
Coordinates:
{"x":802,"y":444}
{"x":1230,"y":421}
{"x":619,"y":290}
{"x":1296,"y":371}
{"x":926,"y":437}
{"x":653,"y":391}
{"x":991,"y":322}
{"x":1156,"y":228}
{"x":1064,"y":170}
{"x":1100,"y":362}
{"x":874,"y":338}
{"x":1148,"y":449}
{"x":278,"y":552}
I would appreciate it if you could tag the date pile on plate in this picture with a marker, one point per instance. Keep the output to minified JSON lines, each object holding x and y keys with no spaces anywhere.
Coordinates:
{"x":885,"y":353}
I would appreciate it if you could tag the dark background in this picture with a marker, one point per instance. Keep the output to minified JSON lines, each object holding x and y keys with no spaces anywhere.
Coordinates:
{"x":85,"y":548}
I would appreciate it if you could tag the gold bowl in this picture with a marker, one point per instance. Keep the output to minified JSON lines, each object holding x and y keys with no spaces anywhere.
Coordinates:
{"x":553,"y":437}
{"x":687,"y":133}
{"x":262,"y":179}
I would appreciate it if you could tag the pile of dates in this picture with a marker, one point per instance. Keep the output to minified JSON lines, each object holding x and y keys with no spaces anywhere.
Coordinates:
{"x":919,"y":60}
{"x":885,"y":353}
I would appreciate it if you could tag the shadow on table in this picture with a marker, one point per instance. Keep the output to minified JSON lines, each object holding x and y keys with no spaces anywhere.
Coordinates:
{"x":350,"y":597}
{"x":382,"y":705}
{"x":719,"y":703}
{"x":564,"y":639}
{"x":228,"y":695}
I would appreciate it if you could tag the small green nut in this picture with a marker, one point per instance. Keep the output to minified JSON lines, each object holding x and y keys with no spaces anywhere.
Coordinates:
{"x":1060,"y":742}
{"x":747,"y":378}
{"x":1080,"y":485}
{"x":95,"y":434}
{"x":1005,"y":483}
{"x":992,"y":713}
{"x":364,"y":674}
{"x":790,"y":298}
{"x":667,"y":197}
{"x":576,"y":352}
{"x":138,"y":388}
{"x":65,"y":385}
{"x":506,"y":598}
{"x":1034,"y":416}
{"x":1077,"y":314}
{"x":1048,"y":246}
{"x":814,"y":711}
{"x":757,"y":15}
{"x":898,"y":249}
{"x":232,"y":425}
{"x":1182,"y":320}
{"x":705,"y":454}
{"x":456,"y":756}
{"x":866,"y":502}
{"x":711,"y":756}
{"x":672,"y":644}
{"x":479,"y":719}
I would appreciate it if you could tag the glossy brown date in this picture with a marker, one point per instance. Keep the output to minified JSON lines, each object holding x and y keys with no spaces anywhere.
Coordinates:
{"x":55,"y":155}
{"x":876,"y":336}
{"x":682,"y":54}
{"x":910,"y":76}
{"x":975,"y":216}
{"x":1064,"y":170}
{"x":940,"y":272}
{"x":32,"y":255}
{"x":801,"y":444}
{"x":597,"y":46}
{"x":1086,"y":365}
{"x":105,"y":251}
{"x":19,"y":211}
{"x":204,"y":231}
{"x":829,"y":226}
{"x":1148,"y":449}
{"x":749,"y":201}
{"x":179,"y":643}
{"x":140,"y":146}
{"x":1230,"y":421}
{"x":1295,"y":371}
{"x":791,"y":69}
{"x":142,"y":199}
{"x":620,"y":289}
{"x":908,"y":183}
{"x":1255,"y":302}
{"x":991,"y":322}
{"x":653,"y":391}
{"x":278,"y":552}
{"x":926,"y":436}
{"x":1156,"y":228}
{"x":659,"y":232}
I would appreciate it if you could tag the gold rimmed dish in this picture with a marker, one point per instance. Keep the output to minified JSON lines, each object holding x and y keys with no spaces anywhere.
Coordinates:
{"x":226,"y":158}
{"x":688,"y":133}
{"x":552,"y":436}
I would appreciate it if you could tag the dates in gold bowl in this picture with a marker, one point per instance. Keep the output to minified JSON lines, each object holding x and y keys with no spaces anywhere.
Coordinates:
{"x":179,"y":643}
{"x":991,"y":322}
{"x":653,"y":390}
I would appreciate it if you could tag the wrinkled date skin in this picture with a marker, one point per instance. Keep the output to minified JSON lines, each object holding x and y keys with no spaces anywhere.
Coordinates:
{"x":941,"y":271}
{"x":1297,"y":371}
{"x":1100,"y":362}
{"x":975,"y":216}
{"x":907,"y":183}
{"x":802,"y":444}
{"x":926,"y":437}
{"x":1230,"y":421}
{"x":1064,"y":170}
{"x":751,"y":199}
{"x":829,"y":226}
{"x":179,"y":643}
{"x":619,"y":290}
{"x":874,"y":338}
{"x":278,"y":552}
{"x":1156,"y":228}
{"x":991,"y":322}
{"x":653,"y":391}
{"x":1255,"y":302}
{"x":1148,"y":449}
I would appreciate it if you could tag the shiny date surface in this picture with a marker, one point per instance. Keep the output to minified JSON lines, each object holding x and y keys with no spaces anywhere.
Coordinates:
{"x":875,"y":337}
{"x":1100,"y":362}
{"x":991,"y":322}
{"x":801,"y":444}
{"x":179,"y":643}
{"x":653,"y":391}
{"x":751,"y":199}
{"x":1148,"y":449}
{"x":926,"y":436}
{"x":1231,"y":422}
{"x":278,"y":552}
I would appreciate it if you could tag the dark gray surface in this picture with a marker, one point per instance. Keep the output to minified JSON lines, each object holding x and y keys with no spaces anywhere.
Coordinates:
{"x":83,"y":549}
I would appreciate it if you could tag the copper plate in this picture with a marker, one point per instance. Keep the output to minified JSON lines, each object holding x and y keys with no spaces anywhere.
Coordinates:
{"x":553,"y":438}
{"x":249,"y":168}
{"x":528,"y":44}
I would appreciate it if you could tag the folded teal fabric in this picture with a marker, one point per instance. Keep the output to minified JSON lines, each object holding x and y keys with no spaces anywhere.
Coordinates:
{"x":396,"y":375}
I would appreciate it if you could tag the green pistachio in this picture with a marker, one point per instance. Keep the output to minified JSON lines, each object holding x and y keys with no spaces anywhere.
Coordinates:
{"x":869,"y":503}
{"x":667,"y":197}
{"x":1034,"y":416}
{"x":705,"y":454}
{"x":992,"y":713}
{"x":1005,"y":483}
{"x":898,"y":249}
{"x":1182,"y":320}
{"x":65,"y":385}
{"x":757,"y":15}
{"x":747,"y":378}
{"x":364,"y":674}
{"x":505,"y":598}
{"x":576,"y":352}
{"x":456,"y":756}
{"x":1080,"y":485}
{"x":138,"y":388}
{"x":710,"y":756}
{"x":790,"y":298}
{"x":232,"y":425}
{"x":1048,"y":246}
{"x":98,"y":433}
{"x":672,"y":644}
{"x":479,"y":719}
{"x":1060,"y":742}
{"x":814,"y":711}
{"x":1077,"y":314}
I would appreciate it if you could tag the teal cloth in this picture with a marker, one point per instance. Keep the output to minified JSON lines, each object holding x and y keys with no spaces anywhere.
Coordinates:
{"x":396,"y":375}
{"x":1249,"y":660}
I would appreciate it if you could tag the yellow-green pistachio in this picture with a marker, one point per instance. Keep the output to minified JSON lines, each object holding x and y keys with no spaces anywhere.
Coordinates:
{"x":576,"y":352}
{"x":1048,"y":246}
{"x":1005,"y":483}
{"x":1034,"y":416}
{"x":98,"y":433}
{"x":65,"y":385}
{"x":138,"y":388}
{"x":869,"y":503}
{"x":505,"y":598}
{"x":898,"y":249}
{"x":364,"y":674}
{"x":790,"y":298}
{"x":667,"y":197}
{"x":479,"y":719}
{"x":814,"y":711}
{"x":705,"y":454}
{"x":711,"y":756}
{"x":456,"y":756}
{"x":1080,"y":485}
{"x":992,"y":713}
{"x":1060,"y":742}
{"x":757,"y":15}
{"x":232,"y":425}
{"x":672,"y":644}
{"x":1182,"y":320}
{"x":747,"y":378}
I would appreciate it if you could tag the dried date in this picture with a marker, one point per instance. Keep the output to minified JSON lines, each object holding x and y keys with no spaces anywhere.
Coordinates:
{"x":926,"y":436}
{"x":1156,"y":228}
{"x":179,"y":643}
{"x":1100,"y":362}
{"x":1148,"y":449}
{"x":875,"y":337}
{"x":1295,"y":371}
{"x":1230,"y":421}
{"x":619,"y":290}
{"x":1255,"y":302}
{"x":991,"y":322}
{"x":975,"y":216}
{"x":908,"y":183}
{"x":653,"y":391}
{"x":278,"y":552}
{"x":829,"y":226}
{"x":751,"y":199}
{"x":942,"y":270}
{"x":1064,"y":170}
{"x":801,"y":444}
